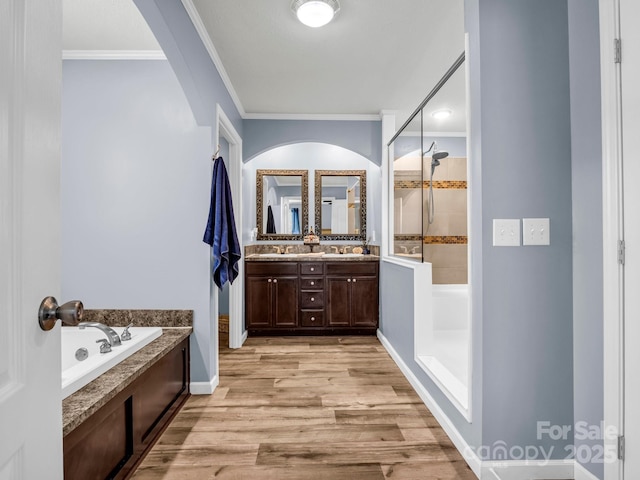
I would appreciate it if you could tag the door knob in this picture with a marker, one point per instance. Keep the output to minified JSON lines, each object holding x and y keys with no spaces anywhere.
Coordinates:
{"x":70,"y":313}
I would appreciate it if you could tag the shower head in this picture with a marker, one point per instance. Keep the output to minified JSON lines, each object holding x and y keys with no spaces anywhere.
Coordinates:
{"x":437,"y":156}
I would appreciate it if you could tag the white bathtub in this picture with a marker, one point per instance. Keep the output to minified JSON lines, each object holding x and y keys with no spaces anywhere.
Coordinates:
{"x":77,"y":373}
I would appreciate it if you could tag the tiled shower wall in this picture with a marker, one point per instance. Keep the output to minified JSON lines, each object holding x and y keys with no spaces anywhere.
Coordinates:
{"x":445,"y":240}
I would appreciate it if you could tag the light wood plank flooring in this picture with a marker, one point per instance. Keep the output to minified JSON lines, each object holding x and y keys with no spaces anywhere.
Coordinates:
{"x":331,"y":408}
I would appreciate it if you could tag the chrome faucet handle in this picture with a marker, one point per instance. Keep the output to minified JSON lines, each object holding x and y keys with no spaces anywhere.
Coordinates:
{"x":105,"y":345}
{"x":337,"y":249}
{"x":126,"y":334}
{"x":277,"y":248}
{"x":286,"y":250}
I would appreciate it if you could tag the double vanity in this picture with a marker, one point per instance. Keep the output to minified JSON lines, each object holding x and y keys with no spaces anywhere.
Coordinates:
{"x":324,"y":287}
{"x":311,"y":294}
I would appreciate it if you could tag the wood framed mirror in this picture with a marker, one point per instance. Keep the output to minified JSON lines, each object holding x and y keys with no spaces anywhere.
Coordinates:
{"x":282,"y":204}
{"x":341,"y":204}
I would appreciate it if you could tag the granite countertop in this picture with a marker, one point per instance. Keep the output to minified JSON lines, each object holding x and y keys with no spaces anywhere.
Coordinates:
{"x":79,"y":406}
{"x":311,"y":258}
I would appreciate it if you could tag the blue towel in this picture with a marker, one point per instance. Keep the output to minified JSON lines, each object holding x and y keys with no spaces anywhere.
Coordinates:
{"x":221,"y":228}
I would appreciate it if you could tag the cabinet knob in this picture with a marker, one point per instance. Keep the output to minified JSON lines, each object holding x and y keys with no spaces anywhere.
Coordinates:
{"x":349,"y":280}
{"x":313,"y":283}
{"x":312,"y":269}
{"x":313,"y":319}
{"x":354,"y":280}
{"x":275,"y":280}
{"x":313,"y":299}
{"x":269,"y":280}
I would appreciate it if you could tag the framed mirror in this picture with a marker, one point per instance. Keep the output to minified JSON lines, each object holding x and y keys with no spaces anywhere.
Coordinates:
{"x":282,"y":204}
{"x":341,"y":204}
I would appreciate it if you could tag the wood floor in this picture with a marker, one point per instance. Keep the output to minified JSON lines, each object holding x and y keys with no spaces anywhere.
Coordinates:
{"x":330,"y":408}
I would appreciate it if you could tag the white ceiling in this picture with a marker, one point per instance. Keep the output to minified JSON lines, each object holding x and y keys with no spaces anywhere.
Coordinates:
{"x":376,"y":54}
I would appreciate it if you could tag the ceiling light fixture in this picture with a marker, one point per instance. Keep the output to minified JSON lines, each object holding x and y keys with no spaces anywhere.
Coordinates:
{"x":441,"y":114}
{"x":315,"y":13}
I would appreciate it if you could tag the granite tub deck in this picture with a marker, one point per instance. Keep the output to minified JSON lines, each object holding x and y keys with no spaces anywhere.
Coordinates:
{"x":176,"y":326}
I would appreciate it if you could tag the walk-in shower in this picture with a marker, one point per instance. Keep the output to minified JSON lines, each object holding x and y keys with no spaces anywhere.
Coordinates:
{"x":428,"y":181}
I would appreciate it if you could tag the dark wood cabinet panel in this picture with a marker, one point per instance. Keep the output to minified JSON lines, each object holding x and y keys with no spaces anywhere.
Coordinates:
{"x":338,"y":302}
{"x":364,"y":301}
{"x":258,"y":301}
{"x":322,"y":297}
{"x":284,"y":301}
{"x":114,"y":440}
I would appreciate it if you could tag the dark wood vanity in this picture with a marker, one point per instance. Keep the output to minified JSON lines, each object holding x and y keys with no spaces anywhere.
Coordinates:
{"x":312,"y":297}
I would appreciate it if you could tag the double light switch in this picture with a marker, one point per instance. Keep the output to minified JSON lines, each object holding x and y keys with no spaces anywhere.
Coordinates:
{"x":507,"y":233}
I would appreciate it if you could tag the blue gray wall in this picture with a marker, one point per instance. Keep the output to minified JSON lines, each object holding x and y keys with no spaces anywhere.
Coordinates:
{"x":363,"y":137}
{"x":135,"y":194}
{"x":198,"y":76}
{"x":524,"y":128}
{"x":584,"y":61}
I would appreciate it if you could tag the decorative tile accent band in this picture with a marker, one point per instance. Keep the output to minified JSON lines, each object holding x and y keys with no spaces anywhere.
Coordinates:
{"x":445,"y":240}
{"x":407,"y":238}
{"x":433,"y":239}
{"x":443,"y":184}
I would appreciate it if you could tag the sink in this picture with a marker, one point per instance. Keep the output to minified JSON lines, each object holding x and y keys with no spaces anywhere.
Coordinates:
{"x":274,"y":255}
{"x":342,"y":255}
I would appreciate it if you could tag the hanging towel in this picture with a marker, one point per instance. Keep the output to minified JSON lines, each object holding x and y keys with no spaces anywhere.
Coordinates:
{"x":271,"y":224}
{"x":295,"y":222}
{"x":221,"y":228}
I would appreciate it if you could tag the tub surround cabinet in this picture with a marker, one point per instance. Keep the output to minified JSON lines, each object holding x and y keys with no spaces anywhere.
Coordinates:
{"x":311,"y":297}
{"x":113,"y":441}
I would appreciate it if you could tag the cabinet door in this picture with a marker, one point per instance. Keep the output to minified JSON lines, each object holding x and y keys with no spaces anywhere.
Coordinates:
{"x":364,"y":301}
{"x":258,"y":302}
{"x":338,"y":302}
{"x":285,"y":301}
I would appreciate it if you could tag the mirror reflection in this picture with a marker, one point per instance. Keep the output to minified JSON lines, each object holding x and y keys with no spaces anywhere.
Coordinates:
{"x":281,"y":204}
{"x":341,"y":204}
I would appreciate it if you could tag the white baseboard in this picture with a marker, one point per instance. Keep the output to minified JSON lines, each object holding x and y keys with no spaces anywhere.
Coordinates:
{"x":488,"y":470}
{"x":460,"y":443}
{"x":581,"y":473}
{"x":527,"y":470}
{"x":204,"y":388}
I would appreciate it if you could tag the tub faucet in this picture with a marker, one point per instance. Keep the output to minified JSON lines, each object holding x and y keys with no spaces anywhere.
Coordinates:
{"x":111,"y":334}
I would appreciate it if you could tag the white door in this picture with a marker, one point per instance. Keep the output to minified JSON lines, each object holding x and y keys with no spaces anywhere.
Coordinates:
{"x":630,"y":88}
{"x":30,"y":393}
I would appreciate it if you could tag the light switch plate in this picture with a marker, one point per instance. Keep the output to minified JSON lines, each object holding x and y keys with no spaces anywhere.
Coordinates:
{"x":535,"y":231}
{"x":506,"y":232}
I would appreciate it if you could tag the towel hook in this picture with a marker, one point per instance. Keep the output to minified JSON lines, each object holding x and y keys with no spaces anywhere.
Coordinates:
{"x":215,"y":155}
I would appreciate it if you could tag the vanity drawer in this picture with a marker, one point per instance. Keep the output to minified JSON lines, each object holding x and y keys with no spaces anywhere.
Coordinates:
{"x":311,"y":283}
{"x":312,"y":318}
{"x":307,"y":268}
{"x":312,"y":299}
{"x":352,"y":268}
{"x":271,"y":268}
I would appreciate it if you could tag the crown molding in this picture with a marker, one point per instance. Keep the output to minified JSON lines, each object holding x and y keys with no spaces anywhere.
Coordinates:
{"x":208,"y":44}
{"x":312,"y":116}
{"x":113,"y":55}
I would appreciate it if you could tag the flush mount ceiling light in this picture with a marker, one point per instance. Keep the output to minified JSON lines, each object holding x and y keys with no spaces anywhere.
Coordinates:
{"x":315,"y":13}
{"x":441,"y":114}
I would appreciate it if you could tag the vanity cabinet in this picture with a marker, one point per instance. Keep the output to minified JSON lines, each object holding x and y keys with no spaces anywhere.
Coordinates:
{"x":311,"y":298}
{"x":271,"y":295}
{"x":352,"y":295}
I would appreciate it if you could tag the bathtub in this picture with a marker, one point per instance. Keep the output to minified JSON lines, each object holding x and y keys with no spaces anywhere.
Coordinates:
{"x":77,"y":373}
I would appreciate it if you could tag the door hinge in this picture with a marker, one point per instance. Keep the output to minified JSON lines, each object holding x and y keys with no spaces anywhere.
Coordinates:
{"x":621,"y":447}
{"x":621,"y":252}
{"x":617,"y":51}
